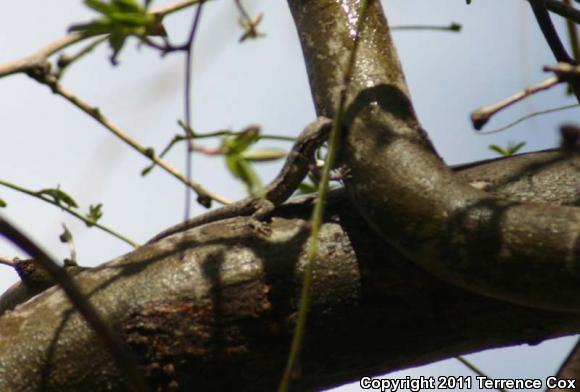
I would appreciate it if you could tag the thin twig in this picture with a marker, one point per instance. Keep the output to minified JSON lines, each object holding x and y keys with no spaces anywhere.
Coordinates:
{"x":318,"y":213}
{"x":476,"y":370}
{"x":96,"y":114}
{"x":553,"y":39}
{"x":564,"y":69}
{"x":573,"y":35}
{"x":8,"y":261}
{"x":564,"y":10}
{"x":31,"y":61}
{"x":64,"y":61}
{"x":187,"y":104}
{"x":37,"y":58}
{"x":172,"y":8}
{"x":68,"y":210}
{"x":482,"y":115}
{"x":549,"y":31}
{"x":528,"y":116}
{"x":123,"y":358}
{"x":452,"y":27}
{"x":228,"y":132}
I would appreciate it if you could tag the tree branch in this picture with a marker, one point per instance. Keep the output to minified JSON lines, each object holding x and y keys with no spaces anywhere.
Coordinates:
{"x":464,"y":235}
{"x":217,"y":304}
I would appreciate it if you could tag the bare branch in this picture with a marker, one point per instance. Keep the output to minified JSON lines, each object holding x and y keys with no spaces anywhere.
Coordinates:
{"x":482,"y":115}
{"x":39,"y":57}
{"x":123,"y":359}
{"x":43,"y":76}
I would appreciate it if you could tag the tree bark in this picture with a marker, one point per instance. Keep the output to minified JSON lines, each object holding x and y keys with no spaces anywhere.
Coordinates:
{"x":526,"y":253}
{"x":213,"y":308}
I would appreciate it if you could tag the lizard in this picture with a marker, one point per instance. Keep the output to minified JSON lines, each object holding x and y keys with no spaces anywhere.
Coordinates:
{"x":296,"y":167}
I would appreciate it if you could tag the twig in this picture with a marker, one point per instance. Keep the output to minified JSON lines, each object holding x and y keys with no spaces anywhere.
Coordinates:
{"x":122,"y":357}
{"x":248,"y":23}
{"x":8,"y":261}
{"x":35,"y":59}
{"x":563,"y":9}
{"x":553,"y":39}
{"x":317,"y":214}
{"x":563,"y":69}
{"x":187,"y":103}
{"x":549,"y":31}
{"x":452,"y":27}
{"x":39,"y":57}
{"x":528,"y":116}
{"x":228,"y":132}
{"x":172,"y":8}
{"x":476,"y":370}
{"x":482,"y":115}
{"x":573,"y":35}
{"x":64,"y":61}
{"x":68,"y":210}
{"x":42,"y":76}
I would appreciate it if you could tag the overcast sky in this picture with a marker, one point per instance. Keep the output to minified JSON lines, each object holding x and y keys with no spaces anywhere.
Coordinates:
{"x":47,"y":142}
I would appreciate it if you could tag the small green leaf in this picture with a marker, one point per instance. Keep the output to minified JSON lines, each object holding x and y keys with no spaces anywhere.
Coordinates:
{"x":233,"y":165}
{"x":95,"y":213}
{"x":58,"y":196}
{"x":147,"y":170}
{"x":264,"y":155}
{"x":120,"y":19}
{"x":3,"y":203}
{"x":306,"y":188}
{"x":99,"y":6}
{"x":240,"y":142}
{"x":510,"y":150}
{"x":243,"y":171}
{"x":498,"y":149}
{"x":513,"y":148}
{"x":127,"y":5}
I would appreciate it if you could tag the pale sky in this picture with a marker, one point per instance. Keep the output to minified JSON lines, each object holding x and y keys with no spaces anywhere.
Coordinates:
{"x":46,"y":142}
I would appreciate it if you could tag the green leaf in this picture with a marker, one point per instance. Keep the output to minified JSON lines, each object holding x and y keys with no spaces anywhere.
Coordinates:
{"x":3,"y":204}
{"x":147,"y":170}
{"x":264,"y":155}
{"x":510,"y":150}
{"x":116,"y":41}
{"x":99,"y":6}
{"x":243,"y":171}
{"x":240,"y":142}
{"x":127,"y":5}
{"x":96,"y":27}
{"x":58,"y":196}
{"x":306,"y":188}
{"x":513,"y":148}
{"x":498,"y":149}
{"x":120,"y":19}
{"x":95,"y":213}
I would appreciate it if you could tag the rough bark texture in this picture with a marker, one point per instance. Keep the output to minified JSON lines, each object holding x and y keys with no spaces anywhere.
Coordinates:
{"x":522,"y":252}
{"x":213,"y":308}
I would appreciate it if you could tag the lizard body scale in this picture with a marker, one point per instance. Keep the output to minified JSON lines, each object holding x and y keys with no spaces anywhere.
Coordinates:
{"x":276,"y":192}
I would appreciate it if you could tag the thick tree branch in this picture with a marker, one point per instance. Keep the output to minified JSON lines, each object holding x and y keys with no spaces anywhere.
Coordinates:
{"x":216,"y":305}
{"x":527,"y":253}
